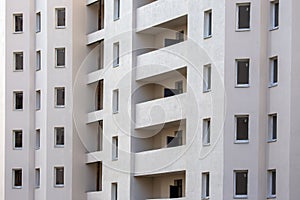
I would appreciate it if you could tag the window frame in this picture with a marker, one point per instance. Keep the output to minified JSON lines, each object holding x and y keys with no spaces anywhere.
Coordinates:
{"x":38,"y":24}
{"x":273,"y":25}
{"x":15,"y":93}
{"x":116,"y":54}
{"x":116,"y":101}
{"x":272,"y":82}
{"x":15,"y":54}
{"x":271,"y":137}
{"x":115,"y":148}
{"x":37,"y":177}
{"x":57,"y":26}
{"x":59,"y":185}
{"x":38,"y":100}
{"x":236,"y":141}
{"x":245,"y":196}
{"x":117,"y":10}
{"x":237,"y":17}
{"x":56,"y":145}
{"x":37,"y":139}
{"x":14,"y":186}
{"x":237,"y":85}
{"x":206,"y":132}
{"x":114,"y":191}
{"x":208,"y":24}
{"x":205,"y":184}
{"x":15,"y":15}
{"x":56,"y":97}
{"x":56,"y":57}
{"x":14,"y":139}
{"x":207,"y":78}
{"x":270,"y":173}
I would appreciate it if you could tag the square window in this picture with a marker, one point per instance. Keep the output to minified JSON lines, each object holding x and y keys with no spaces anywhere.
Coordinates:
{"x":207,"y":23}
{"x":37,"y":139}
{"x":275,"y":14}
{"x":116,"y":54}
{"x":18,"y":100}
{"x":205,"y":185}
{"x":18,"y":61}
{"x":206,"y":132}
{"x":272,"y":183}
{"x":114,"y":191}
{"x":116,"y":9}
{"x":38,"y":100}
{"x":60,"y":97}
{"x":38,"y":61}
{"x":243,"y":16}
{"x":241,"y":184}
{"x":115,"y":101}
{"x":59,"y":134}
{"x":206,"y":78}
{"x":242,"y":73}
{"x":273,"y":71}
{"x":115,"y":148}
{"x":18,"y":23}
{"x":59,"y":176}
{"x":272,"y":127}
{"x":17,"y":178}
{"x":60,"y":17}
{"x":242,"y":128}
{"x":17,"y":139}
{"x":38,"y":22}
{"x":37,"y":177}
{"x":60,"y":57}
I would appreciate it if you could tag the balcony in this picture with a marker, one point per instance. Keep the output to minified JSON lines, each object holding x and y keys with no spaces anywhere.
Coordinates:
{"x":160,"y":12}
{"x":95,"y":195}
{"x":162,"y":186}
{"x":95,"y":17}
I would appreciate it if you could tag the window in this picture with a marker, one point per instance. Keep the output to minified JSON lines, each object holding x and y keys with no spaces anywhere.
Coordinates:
{"x":115,"y":101}
{"x":59,"y":176}
{"x":116,"y":49}
{"x":116,"y":9}
{"x":114,"y":191}
{"x":18,"y":61}
{"x":242,"y":123}
{"x":115,"y":148}
{"x":207,"y":23}
{"x":179,"y":87}
{"x":206,"y":78}
{"x":275,"y":14}
{"x":243,"y":16}
{"x":18,"y":100}
{"x":241,"y":184}
{"x":60,"y":17}
{"x":38,"y":61}
{"x":272,"y":183}
{"x":272,"y":127}
{"x":176,"y":189}
{"x":60,"y":97}
{"x":17,"y":139}
{"x":38,"y":100}
{"x":60,"y":57}
{"x":17,"y":178}
{"x":273,"y":71}
{"x":176,"y":140}
{"x":37,"y":139}
{"x":242,"y":79}
{"x":59,"y":134}
{"x":38,"y":22}
{"x":206,"y":132}
{"x":205,"y":185}
{"x":37,"y":177}
{"x":18,"y":20}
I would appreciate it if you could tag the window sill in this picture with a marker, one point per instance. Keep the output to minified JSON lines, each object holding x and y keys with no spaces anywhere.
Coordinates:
{"x":207,"y":37}
{"x":116,"y":65}
{"x":37,"y":187}
{"x":114,"y":159}
{"x":18,"y":109}
{"x":59,"y":146}
{"x":272,"y":140}
{"x":205,"y":198}
{"x":59,"y":186}
{"x":37,"y":148}
{"x":242,"y":86}
{"x":17,"y":187}
{"x":37,"y":31}
{"x":206,"y":145}
{"x":116,"y":19}
{"x":60,"y":66}
{"x":57,"y":106}
{"x":241,"y":197}
{"x":271,"y":197}
{"x":241,"y":142}
{"x":243,"y":30}
{"x":18,"y":148}
{"x":273,"y":85}
{"x":18,"y":70}
{"x":37,"y":70}
{"x":274,"y":28}
{"x":207,"y":91}
{"x":18,"y":32}
{"x":115,"y":112}
{"x":60,"y":27}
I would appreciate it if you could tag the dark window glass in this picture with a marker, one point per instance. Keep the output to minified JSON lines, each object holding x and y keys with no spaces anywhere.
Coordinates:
{"x":242,"y":128}
{"x":241,"y":183}
{"x":17,"y":178}
{"x":19,"y":23}
{"x":61,"y":17}
{"x":244,"y":16}
{"x":18,"y":139}
{"x":243,"y":72}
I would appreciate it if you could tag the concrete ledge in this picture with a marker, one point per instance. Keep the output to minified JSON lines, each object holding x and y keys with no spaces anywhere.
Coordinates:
{"x":95,"y":37}
{"x":94,"y":116}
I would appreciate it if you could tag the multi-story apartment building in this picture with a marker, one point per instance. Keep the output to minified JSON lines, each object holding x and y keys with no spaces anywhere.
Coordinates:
{"x":149,"y":99}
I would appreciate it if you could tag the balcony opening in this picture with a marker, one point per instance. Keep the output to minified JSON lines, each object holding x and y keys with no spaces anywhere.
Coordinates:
{"x":169,"y":135}
{"x":95,"y":16}
{"x":94,"y":141}
{"x":101,"y":55}
{"x":99,"y":96}
{"x":95,"y":174}
{"x":162,"y":186}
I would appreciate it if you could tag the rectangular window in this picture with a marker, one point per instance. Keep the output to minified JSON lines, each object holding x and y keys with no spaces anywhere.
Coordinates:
{"x":17,"y":178}
{"x":242,"y":77}
{"x":179,"y":87}
{"x":206,"y":132}
{"x":18,"y":20}
{"x":38,"y":61}
{"x":18,"y":61}
{"x":205,"y":185}
{"x":59,"y":135}
{"x":60,"y":17}
{"x":274,"y":71}
{"x":17,"y":139}
{"x":60,"y":97}
{"x":37,"y":177}
{"x":60,"y":57}
{"x":37,"y":139}
{"x":116,"y":9}
{"x":59,"y":176}
{"x":38,"y":22}
{"x":206,"y":78}
{"x":272,"y":183}
{"x":38,"y":100}
{"x":242,"y":128}
{"x":115,"y":101}
{"x":115,"y":148}
{"x":275,"y":14}
{"x":207,"y":23}
{"x":116,"y":54}
{"x":243,"y":16}
{"x":18,"y":100}
{"x":114,"y":191}
{"x":241,"y":184}
{"x":272,"y":127}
